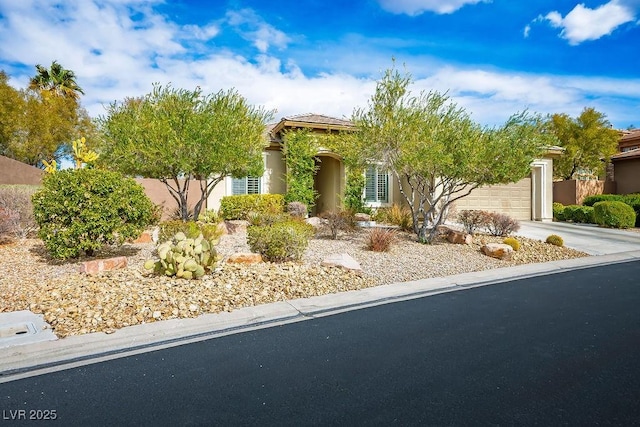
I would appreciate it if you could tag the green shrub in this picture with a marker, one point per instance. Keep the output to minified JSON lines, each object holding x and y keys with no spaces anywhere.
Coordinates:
{"x":633,"y":200}
{"x":380,"y":239}
{"x":16,"y":218}
{"x":592,"y":200}
{"x":210,"y":216}
{"x":84,"y":209}
{"x":513,"y":242}
{"x":255,"y":218}
{"x":281,"y":241}
{"x":354,"y":190}
{"x":555,"y":240}
{"x":238,"y":207}
{"x":579,"y":214}
{"x":191,"y":229}
{"x":614,"y":214}
{"x":184,"y":257}
{"x":558,"y":211}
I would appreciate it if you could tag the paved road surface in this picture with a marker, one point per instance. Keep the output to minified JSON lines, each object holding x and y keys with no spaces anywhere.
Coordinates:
{"x":550,"y":350}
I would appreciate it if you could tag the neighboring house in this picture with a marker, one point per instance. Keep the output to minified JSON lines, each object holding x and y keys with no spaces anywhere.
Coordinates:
{"x":626,"y":171}
{"x":530,"y":198}
{"x":630,"y":140}
{"x":15,"y":172}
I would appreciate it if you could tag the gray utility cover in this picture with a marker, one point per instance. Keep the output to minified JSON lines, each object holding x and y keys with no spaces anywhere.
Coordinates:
{"x":23,"y":327}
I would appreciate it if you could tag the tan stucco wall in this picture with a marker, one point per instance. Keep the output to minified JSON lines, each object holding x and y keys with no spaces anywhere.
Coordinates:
{"x":274,"y":177}
{"x":159,"y":195}
{"x":13,"y":172}
{"x":627,"y":176}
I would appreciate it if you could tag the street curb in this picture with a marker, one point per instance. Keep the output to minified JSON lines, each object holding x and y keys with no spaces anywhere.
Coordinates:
{"x":42,"y":357}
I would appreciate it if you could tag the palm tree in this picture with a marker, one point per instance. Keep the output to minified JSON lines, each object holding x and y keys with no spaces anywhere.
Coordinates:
{"x":56,"y":80}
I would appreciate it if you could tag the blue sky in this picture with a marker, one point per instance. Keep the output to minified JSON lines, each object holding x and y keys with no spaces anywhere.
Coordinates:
{"x":493,"y":57}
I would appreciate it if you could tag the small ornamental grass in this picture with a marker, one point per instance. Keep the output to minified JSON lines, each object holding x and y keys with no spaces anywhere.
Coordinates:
{"x":380,"y":239}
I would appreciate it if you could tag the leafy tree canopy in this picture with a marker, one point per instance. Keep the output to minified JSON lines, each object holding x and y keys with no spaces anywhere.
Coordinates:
{"x":176,"y":135}
{"x":435,"y":149}
{"x":589,"y":141}
{"x":34,"y":127}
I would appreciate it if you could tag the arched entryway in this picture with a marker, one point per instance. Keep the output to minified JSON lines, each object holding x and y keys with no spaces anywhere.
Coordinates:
{"x":328,"y":182}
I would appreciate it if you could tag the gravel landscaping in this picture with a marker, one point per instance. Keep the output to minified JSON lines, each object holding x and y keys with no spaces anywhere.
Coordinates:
{"x":75,"y":303}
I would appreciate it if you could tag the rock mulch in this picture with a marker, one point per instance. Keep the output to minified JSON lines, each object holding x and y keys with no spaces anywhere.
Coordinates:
{"x":76,"y":303}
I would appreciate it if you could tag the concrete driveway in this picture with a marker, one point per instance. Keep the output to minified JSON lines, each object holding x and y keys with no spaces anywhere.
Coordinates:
{"x":587,"y":238}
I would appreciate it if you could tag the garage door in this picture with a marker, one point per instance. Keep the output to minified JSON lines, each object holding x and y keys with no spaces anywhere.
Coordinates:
{"x":511,"y":199}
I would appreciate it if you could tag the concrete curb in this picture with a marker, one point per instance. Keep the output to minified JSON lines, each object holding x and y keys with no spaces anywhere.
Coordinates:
{"x":42,"y":357}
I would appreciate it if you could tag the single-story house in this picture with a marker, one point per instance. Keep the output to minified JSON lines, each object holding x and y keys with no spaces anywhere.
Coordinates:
{"x":530,"y":198}
{"x":626,"y":170}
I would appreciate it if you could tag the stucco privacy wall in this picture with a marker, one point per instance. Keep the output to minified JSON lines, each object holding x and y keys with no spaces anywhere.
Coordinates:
{"x":159,"y":194}
{"x":13,"y":172}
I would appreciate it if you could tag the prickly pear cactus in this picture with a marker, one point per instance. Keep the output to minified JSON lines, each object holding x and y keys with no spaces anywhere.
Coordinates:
{"x":184,"y":258}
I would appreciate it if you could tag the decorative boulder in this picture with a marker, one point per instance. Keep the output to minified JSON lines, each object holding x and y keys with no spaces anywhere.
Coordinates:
{"x":459,"y":237}
{"x":98,"y":265}
{"x":498,"y":250}
{"x":245,"y":258}
{"x":343,"y":261}
{"x":362,"y":217}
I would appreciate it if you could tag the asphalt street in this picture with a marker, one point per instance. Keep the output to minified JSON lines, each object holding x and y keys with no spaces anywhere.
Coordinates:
{"x":554,"y":349}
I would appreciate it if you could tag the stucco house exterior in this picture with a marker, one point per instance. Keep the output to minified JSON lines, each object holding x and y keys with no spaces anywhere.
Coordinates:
{"x":626,"y":170}
{"x":530,"y":198}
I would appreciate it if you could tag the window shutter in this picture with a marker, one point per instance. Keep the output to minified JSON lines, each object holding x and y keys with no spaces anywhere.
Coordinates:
{"x":239,"y":186}
{"x":253,"y":185}
{"x":370,"y":186}
{"x":383,"y":187}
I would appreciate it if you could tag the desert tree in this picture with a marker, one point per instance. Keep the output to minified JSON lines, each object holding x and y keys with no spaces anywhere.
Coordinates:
{"x":180,"y":135}
{"x":435,"y":150}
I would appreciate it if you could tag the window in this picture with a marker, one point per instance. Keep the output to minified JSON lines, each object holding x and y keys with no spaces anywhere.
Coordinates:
{"x":376,"y":185}
{"x":246,"y":185}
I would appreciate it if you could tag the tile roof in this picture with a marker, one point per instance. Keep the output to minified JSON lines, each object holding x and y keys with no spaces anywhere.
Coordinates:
{"x":318,"y":119}
{"x":627,"y":155}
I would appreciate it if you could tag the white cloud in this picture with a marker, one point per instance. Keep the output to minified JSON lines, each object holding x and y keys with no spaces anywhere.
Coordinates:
{"x":418,"y":7}
{"x":116,"y":56}
{"x":253,"y":28}
{"x":583,"y":23}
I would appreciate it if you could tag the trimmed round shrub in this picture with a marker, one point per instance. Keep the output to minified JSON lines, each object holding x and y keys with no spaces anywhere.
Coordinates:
{"x":614,"y":214}
{"x":558,"y":211}
{"x":297,"y":209}
{"x":592,"y":200}
{"x":83,"y":209}
{"x":239,"y":206}
{"x":281,"y":241}
{"x":555,"y":240}
{"x":579,"y":214}
{"x":513,"y":242}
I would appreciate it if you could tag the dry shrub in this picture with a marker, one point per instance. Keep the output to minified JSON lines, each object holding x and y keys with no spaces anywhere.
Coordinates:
{"x":473,"y":220}
{"x":16,"y":212}
{"x":338,"y":221}
{"x":297,"y":209}
{"x":395,"y":215}
{"x":380,"y":239}
{"x":501,"y":225}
